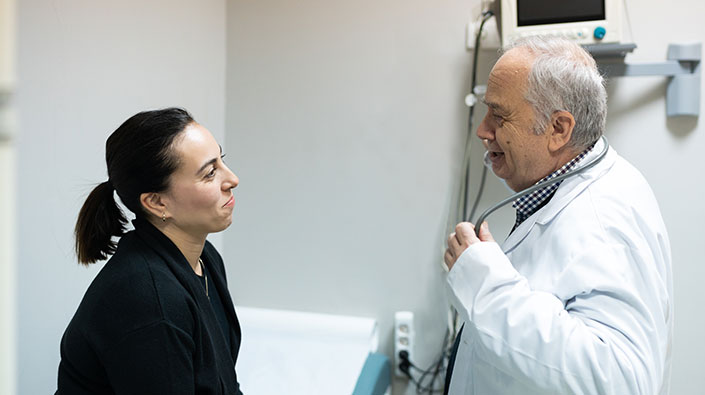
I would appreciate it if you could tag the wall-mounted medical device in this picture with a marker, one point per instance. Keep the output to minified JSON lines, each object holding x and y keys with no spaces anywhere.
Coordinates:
{"x":584,"y":21}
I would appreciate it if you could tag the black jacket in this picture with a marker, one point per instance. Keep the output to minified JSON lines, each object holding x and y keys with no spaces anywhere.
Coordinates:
{"x":145,"y":325}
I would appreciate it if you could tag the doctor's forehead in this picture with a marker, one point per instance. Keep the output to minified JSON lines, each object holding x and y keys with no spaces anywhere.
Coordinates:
{"x":507,"y":83}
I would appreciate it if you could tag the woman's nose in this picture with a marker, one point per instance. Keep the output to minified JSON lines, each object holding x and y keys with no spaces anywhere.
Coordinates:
{"x":232,"y":180}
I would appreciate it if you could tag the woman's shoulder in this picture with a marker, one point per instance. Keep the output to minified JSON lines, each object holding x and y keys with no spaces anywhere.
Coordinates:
{"x":134,"y":289}
{"x":132,"y":271}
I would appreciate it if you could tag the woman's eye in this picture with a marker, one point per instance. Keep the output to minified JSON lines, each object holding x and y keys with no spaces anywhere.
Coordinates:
{"x":211,"y":173}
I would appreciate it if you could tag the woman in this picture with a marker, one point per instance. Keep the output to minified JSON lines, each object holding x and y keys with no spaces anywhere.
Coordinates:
{"x":158,"y":318}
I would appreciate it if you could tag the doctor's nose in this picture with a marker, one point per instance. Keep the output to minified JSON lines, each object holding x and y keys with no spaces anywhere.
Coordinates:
{"x":486,"y":131}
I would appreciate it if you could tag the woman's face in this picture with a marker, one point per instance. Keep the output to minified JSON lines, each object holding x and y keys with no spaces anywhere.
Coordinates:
{"x":199,"y":199}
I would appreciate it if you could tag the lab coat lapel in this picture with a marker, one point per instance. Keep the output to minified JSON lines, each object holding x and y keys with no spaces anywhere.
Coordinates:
{"x":519,"y":234}
{"x":568,"y":190}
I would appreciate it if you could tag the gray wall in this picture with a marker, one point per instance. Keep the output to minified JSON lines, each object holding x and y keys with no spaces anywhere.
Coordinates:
{"x":8,"y":285}
{"x":84,"y":67}
{"x":345,"y":123}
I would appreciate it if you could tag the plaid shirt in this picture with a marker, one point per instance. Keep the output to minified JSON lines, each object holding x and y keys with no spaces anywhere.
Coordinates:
{"x":532,"y":202}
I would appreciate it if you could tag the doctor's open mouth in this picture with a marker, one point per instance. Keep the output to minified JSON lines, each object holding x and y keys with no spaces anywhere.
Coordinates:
{"x":494,"y":154}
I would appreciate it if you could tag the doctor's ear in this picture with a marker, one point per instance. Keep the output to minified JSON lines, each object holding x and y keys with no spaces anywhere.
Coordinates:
{"x":154,"y":204}
{"x":561,"y":130}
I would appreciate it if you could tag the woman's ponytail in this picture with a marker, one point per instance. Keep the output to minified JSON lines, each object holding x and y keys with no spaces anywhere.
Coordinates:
{"x":140,"y":158}
{"x":98,"y":222}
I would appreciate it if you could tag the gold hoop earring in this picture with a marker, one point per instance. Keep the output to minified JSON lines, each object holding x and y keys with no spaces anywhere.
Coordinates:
{"x":163,"y":217}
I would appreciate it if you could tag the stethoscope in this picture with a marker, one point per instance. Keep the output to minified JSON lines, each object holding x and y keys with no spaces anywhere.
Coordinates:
{"x":540,"y":185}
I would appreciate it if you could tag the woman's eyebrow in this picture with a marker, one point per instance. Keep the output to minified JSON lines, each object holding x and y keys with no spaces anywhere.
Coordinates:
{"x":210,"y":162}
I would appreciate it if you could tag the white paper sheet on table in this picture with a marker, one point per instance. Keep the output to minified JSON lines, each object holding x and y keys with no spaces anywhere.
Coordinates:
{"x":288,"y":352}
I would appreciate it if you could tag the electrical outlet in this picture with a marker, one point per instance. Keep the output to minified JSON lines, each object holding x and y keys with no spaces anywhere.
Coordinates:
{"x":403,"y":337}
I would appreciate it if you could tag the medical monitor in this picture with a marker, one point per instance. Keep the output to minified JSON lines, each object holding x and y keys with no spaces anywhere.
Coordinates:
{"x":583,"y":21}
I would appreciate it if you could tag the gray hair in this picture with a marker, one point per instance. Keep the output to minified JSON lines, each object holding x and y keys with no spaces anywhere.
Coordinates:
{"x":564,"y":77}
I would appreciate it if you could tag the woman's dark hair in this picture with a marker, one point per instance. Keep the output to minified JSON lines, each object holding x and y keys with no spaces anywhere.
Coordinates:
{"x":140,"y":158}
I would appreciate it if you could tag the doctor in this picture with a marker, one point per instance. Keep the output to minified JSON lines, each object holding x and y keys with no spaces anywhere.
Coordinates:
{"x":578,"y":299}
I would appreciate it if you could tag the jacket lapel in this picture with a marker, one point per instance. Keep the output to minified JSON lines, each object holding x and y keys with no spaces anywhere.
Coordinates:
{"x":183,"y":272}
{"x":216,"y":266}
{"x":172,"y":256}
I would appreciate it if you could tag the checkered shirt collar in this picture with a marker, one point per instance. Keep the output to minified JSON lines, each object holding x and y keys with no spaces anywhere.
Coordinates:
{"x":528,"y":204}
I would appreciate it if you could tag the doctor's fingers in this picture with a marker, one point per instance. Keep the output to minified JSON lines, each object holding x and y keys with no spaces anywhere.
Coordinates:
{"x":449,"y":259}
{"x":452,"y":243}
{"x":465,"y":233}
{"x":484,"y":232}
{"x":456,"y":247}
{"x":454,"y":250}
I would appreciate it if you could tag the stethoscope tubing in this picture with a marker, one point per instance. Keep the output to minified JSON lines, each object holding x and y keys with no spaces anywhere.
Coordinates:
{"x":540,"y":185}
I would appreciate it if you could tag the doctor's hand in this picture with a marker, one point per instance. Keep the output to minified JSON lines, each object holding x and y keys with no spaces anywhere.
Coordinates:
{"x":463,"y":237}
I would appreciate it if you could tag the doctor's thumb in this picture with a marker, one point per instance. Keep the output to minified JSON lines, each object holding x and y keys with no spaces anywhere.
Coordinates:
{"x":484,"y":234}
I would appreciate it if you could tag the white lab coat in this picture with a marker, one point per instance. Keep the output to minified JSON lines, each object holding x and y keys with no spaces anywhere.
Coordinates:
{"x":577,"y":300}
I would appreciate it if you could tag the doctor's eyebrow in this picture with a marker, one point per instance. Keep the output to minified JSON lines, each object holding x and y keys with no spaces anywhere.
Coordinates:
{"x":494,"y":106}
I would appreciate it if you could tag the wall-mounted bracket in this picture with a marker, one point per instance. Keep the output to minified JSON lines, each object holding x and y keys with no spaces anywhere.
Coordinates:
{"x":683,"y":68}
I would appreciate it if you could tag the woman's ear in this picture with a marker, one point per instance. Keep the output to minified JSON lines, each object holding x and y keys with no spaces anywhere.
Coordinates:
{"x":154,"y":204}
{"x":562,"y":125}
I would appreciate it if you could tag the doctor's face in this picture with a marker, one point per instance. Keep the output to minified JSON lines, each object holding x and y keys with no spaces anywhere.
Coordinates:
{"x":518,"y":155}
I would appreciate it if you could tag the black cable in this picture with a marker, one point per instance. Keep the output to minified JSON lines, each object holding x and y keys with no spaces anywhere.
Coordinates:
{"x":420,"y":386}
{"x":480,"y":190}
{"x":473,"y":83}
{"x":424,"y":385}
{"x":435,"y":369}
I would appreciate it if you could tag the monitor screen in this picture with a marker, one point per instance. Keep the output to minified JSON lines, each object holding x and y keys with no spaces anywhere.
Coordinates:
{"x":542,"y":12}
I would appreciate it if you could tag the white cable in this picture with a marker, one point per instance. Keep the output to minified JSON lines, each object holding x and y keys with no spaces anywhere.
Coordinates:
{"x":629,"y":21}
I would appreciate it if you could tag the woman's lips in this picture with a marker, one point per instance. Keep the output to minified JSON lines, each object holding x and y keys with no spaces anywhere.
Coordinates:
{"x":230,"y":202}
